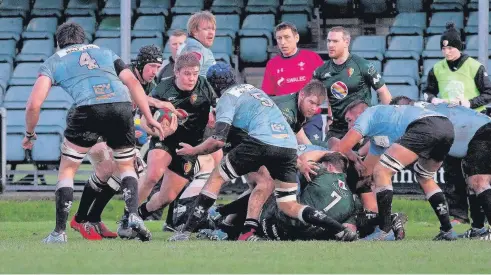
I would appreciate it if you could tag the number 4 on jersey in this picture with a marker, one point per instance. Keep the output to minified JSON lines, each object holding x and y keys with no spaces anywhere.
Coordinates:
{"x":87,"y":60}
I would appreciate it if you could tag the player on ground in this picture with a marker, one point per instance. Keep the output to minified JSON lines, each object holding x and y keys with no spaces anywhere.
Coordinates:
{"x":399,"y":136}
{"x":472,"y":143}
{"x":270,"y":142}
{"x":104,"y":183}
{"x":98,"y":80}
{"x":194,"y":95}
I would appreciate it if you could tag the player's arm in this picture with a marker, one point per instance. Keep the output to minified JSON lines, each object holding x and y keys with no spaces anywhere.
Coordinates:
{"x":373,"y":77}
{"x":210,"y":145}
{"x":159,"y":104}
{"x":302,"y":137}
{"x":346,"y":144}
{"x":38,"y":96}
{"x":384,"y":95}
{"x":483,"y":85}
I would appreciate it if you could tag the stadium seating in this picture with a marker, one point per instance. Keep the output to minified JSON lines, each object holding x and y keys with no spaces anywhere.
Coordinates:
{"x":178,"y":22}
{"x":5,"y":73}
{"x":301,"y":21}
{"x":448,"y":5}
{"x":432,"y":49}
{"x":137,"y":43}
{"x":17,"y":96}
{"x":47,"y":8}
{"x":404,"y":90}
{"x":409,"y":5}
{"x":227,"y":25}
{"x":472,"y":43}
{"x":256,"y":37}
{"x":403,"y":72}
{"x":473,"y":5}
{"x":82,"y":8}
{"x":41,"y":28}
{"x":187,"y":6}
{"x":473,"y":23}
{"x":409,"y":24}
{"x":113,"y":8}
{"x":113,"y":44}
{"x":405,"y":47}
{"x":11,"y":28}
{"x":14,"y":8}
{"x":7,"y":50}
{"x":427,"y":66}
{"x":149,"y":26}
{"x":370,"y":47}
{"x":36,"y":50}
{"x":374,"y":6}
{"x":223,"y":49}
{"x":227,"y":6}
{"x":109,"y":27}
{"x":25,"y":74}
{"x":154,"y":7}
{"x":440,"y":19}
{"x":262,"y":6}
{"x":88,"y":23}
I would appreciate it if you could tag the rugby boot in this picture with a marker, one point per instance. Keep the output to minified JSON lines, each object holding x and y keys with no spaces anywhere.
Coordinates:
{"x":102,"y":229}
{"x":214,"y":235}
{"x":75,"y":225}
{"x":180,"y":236}
{"x":380,"y":235}
{"x":55,"y":237}
{"x":398,"y":222}
{"x":136,"y":223}
{"x":89,"y":232}
{"x":124,"y":230}
{"x":449,"y":235}
{"x":250,"y":236}
{"x":473,"y":233}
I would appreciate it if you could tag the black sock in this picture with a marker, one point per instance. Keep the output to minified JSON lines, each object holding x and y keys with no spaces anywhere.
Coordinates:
{"x":250,"y":224}
{"x":200,"y":210}
{"x":64,"y":200}
{"x":236,"y":206}
{"x":317,"y":217}
{"x":384,"y":201}
{"x":366,"y":222}
{"x":143,"y":212}
{"x":485,"y":201}
{"x":129,"y":185}
{"x":88,"y":196}
{"x":440,"y":207}
{"x":106,"y":194}
{"x":169,"y":220}
{"x":477,"y":214}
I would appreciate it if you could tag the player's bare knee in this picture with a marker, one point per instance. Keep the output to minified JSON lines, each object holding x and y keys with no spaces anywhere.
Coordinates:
{"x":105,"y":169}
{"x":332,"y":142}
{"x":479,"y":183}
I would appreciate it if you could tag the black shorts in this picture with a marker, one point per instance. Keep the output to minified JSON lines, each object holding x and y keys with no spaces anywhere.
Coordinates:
{"x":251,"y":154}
{"x":477,"y":161}
{"x":111,"y":121}
{"x":184,"y":166}
{"x":429,"y":137}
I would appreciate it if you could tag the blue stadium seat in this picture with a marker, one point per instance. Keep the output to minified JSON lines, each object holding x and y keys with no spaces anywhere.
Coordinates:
{"x":82,"y":8}
{"x":223,"y":48}
{"x":137,"y":43}
{"x":178,"y":22}
{"x":448,"y":5}
{"x":432,"y":49}
{"x":427,"y":66}
{"x":154,"y":7}
{"x":439,"y":20}
{"x":149,"y":26}
{"x":404,"y":90}
{"x":301,"y":21}
{"x":113,"y":8}
{"x":167,"y":53}
{"x":227,"y":6}
{"x":11,"y":28}
{"x":5,"y":73}
{"x":473,"y":5}
{"x":473,"y":23}
{"x":298,"y":6}
{"x":472,"y":46}
{"x":12,"y":8}
{"x":7,"y":50}
{"x":36,"y":50}
{"x":409,"y":24}
{"x":373,"y":6}
{"x":187,"y":6}
{"x":409,"y":5}
{"x":256,"y":37}
{"x":338,"y":8}
{"x":369,"y":46}
{"x":88,"y":23}
{"x":41,"y":28}
{"x":377,"y":64}
{"x":253,"y":49}
{"x":109,"y":27}
{"x":17,"y":96}
{"x":25,"y":74}
{"x":114,"y":44}
{"x":401,"y":72}
{"x":227,"y":25}
{"x":47,"y":8}
{"x":405,"y":47}
{"x":262,"y":6}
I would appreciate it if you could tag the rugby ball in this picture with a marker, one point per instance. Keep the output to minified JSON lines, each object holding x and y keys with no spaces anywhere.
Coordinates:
{"x":162,"y":114}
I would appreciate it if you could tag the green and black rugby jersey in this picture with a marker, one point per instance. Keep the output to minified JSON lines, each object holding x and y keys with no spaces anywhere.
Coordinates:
{"x":288,"y":105}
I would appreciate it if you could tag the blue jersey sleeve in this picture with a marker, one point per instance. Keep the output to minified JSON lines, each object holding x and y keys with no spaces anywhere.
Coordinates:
{"x":48,"y":69}
{"x":363,"y":123}
{"x":225,"y":110}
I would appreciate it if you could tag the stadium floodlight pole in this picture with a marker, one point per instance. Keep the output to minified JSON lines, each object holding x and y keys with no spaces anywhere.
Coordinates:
{"x":3,"y":147}
{"x":125,"y":30}
{"x":483,"y":31}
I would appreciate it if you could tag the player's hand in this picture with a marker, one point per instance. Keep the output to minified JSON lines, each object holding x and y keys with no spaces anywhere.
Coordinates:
{"x":307,"y":168}
{"x":186,"y":150}
{"x":170,"y":128}
{"x":437,"y":100}
{"x":360,"y":167}
{"x":211,"y":120}
{"x":167,"y":105}
{"x":28,"y":141}
{"x":460,"y":101}
{"x":155,"y":126}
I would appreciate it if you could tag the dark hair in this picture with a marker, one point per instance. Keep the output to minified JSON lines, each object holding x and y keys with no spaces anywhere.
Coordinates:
{"x":315,"y":87}
{"x":69,"y":33}
{"x":355,"y":104}
{"x":178,"y":33}
{"x":401,"y":100}
{"x":336,"y":159}
{"x":186,"y":60}
{"x":286,"y":25}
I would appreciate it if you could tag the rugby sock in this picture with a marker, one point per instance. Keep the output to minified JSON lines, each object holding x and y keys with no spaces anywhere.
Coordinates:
{"x":317,"y":217}
{"x":440,"y":207}
{"x":477,"y":214}
{"x":64,"y":200}
{"x":249,"y":225}
{"x":384,"y":201}
{"x":169,"y":220}
{"x":88,"y":196}
{"x":200,"y":209}
{"x":143,"y":211}
{"x":234,"y":207}
{"x":129,"y":185}
{"x":106,"y":194}
{"x":485,"y":201}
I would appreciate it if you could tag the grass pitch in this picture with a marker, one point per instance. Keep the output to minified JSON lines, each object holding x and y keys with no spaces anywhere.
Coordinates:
{"x":24,"y":224}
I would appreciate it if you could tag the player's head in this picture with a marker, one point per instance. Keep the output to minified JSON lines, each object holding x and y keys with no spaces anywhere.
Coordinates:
{"x":335,"y":162}
{"x":338,"y":40}
{"x":401,"y":100}
{"x":176,"y":39}
{"x":202,"y":26}
{"x":221,"y":77}
{"x":186,"y":70}
{"x":311,"y":97}
{"x":451,"y":43}
{"x":353,"y":111}
{"x":69,"y":33}
{"x":148,"y":62}
{"x":286,"y":35}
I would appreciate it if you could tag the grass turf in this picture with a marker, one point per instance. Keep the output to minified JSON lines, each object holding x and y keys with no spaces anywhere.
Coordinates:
{"x":23,"y":224}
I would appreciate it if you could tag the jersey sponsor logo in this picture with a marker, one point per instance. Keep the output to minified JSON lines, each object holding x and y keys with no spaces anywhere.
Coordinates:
{"x":301,"y":65}
{"x":63,"y":52}
{"x":350,"y":72}
{"x":371,"y":69}
{"x":328,"y":74}
{"x":280,"y":81}
{"x":279,"y":131}
{"x":103,"y":91}
{"x":382,"y":141}
{"x":193,"y":98}
{"x":455,"y":89}
{"x":302,"y":147}
{"x":296,"y":79}
{"x":339,"y":90}
{"x":342,"y":185}
{"x":198,"y":55}
{"x":187,"y":167}
{"x":376,"y":79}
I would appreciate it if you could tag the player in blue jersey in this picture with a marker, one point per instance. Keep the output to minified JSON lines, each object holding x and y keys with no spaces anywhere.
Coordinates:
{"x":472,"y":143}
{"x":98,"y":80}
{"x":270,"y":142}
{"x":399,"y":136}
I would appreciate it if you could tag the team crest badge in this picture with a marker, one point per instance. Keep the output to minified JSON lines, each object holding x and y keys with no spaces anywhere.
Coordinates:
{"x":350,"y":72}
{"x":187,"y":167}
{"x":339,"y":90}
{"x":342,"y":185}
{"x":193,"y":98}
{"x":445,"y":43}
{"x":302,"y":147}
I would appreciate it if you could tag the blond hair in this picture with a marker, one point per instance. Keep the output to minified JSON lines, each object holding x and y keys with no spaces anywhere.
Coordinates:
{"x":346,"y":33}
{"x":186,"y":60}
{"x":195,"y":19}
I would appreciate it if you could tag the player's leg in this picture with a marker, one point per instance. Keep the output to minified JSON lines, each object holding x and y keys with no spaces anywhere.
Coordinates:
{"x":455,"y":190}
{"x":158,"y":160}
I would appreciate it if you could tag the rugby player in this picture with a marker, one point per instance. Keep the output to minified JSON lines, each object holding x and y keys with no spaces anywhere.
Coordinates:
{"x":270,"y":142}
{"x":472,"y":143}
{"x":98,"y":80}
{"x":399,"y":136}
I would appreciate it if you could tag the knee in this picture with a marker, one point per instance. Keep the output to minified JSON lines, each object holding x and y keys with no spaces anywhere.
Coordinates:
{"x":290,"y":208}
{"x":105,"y":169}
{"x":478,"y":183}
{"x":153,"y":175}
{"x":381,"y":172}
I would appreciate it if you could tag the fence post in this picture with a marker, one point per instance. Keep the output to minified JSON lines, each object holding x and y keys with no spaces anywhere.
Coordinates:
{"x":3,"y":148}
